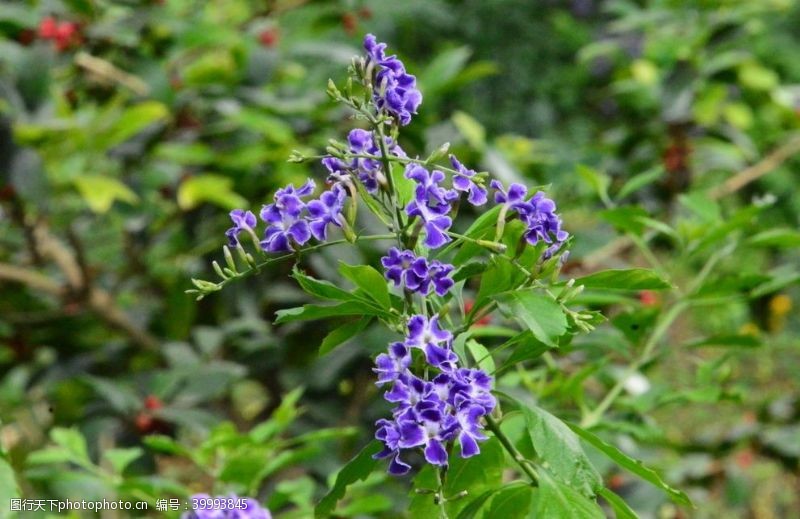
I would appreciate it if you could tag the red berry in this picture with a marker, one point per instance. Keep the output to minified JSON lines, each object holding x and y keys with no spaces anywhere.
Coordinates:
{"x":66,"y":35}
{"x":269,"y":37}
{"x":153,"y":403}
{"x":648,"y":298}
{"x":48,"y":28}
{"x":349,"y":23}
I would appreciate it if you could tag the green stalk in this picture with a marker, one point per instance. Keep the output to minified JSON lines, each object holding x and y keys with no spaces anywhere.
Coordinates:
{"x":517,"y":456}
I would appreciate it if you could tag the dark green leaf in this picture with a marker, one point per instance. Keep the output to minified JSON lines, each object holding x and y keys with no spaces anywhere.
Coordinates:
{"x":342,"y":334}
{"x":632,"y":465}
{"x":356,"y":469}
{"x":311,"y":312}
{"x":543,"y":316}
{"x":744,"y":341}
{"x":320,"y":288}
{"x":369,"y":280}
{"x":624,"y":279}
{"x":512,"y":502}
{"x":166,"y":445}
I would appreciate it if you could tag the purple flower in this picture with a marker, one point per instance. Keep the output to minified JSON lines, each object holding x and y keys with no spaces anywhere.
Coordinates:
{"x":285,"y":226}
{"x":429,"y":337}
{"x":538,"y":214}
{"x":326,"y":210}
{"x":367,"y":170}
{"x":469,"y":421}
{"x":242,"y":221}
{"x":462,"y":181}
{"x":242,"y":508}
{"x":543,"y":223}
{"x":389,"y":433}
{"x":415,"y":274}
{"x":432,"y":203}
{"x":430,"y":430}
{"x":513,"y":198}
{"x":395,"y":91}
{"x":392,"y":365}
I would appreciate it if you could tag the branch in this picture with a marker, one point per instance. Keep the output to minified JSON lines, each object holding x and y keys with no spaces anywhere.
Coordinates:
{"x":99,"y":301}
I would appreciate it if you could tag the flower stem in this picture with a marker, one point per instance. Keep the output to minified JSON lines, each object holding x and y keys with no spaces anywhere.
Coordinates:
{"x":517,"y":456}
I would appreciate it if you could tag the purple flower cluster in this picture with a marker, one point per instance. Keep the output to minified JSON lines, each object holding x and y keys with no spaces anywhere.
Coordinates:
{"x":292,"y":222}
{"x":416,"y":273}
{"x":394,"y":91}
{"x":538,"y":213}
{"x":432,"y":203}
{"x":367,"y":170}
{"x":428,"y":414}
{"x":244,"y":508}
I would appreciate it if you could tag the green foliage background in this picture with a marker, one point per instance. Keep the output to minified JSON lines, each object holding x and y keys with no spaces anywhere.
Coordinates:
{"x":667,"y":131}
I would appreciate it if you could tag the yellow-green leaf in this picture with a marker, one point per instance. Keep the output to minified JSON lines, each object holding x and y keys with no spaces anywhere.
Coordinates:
{"x":214,"y":189}
{"x":100,"y":192}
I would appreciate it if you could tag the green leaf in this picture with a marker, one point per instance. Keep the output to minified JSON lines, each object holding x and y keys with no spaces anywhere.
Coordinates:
{"x":778,"y":238}
{"x":471,"y":129}
{"x":625,"y":219}
{"x":214,"y":189}
{"x":134,"y":120}
{"x":726,"y":340}
{"x":637,"y":182}
{"x":476,"y":505}
{"x":100,"y":192}
{"x":443,"y":68}
{"x":543,"y":316}
{"x":624,"y":279}
{"x":512,"y":502}
{"x":561,"y":449}
{"x":320,"y":288}
{"x":620,"y":507}
{"x":9,"y":489}
{"x":632,"y":465}
{"x":526,"y":347}
{"x":481,"y":356}
{"x":780,"y":277}
{"x":342,"y":334}
{"x":190,"y":154}
{"x":121,"y":458}
{"x":72,"y":441}
{"x":559,"y":500}
{"x":280,"y":419}
{"x":166,"y":445}
{"x":357,"y":469}
{"x":369,"y":280}
{"x":311,"y":312}
{"x":404,"y":187}
{"x":500,"y":276}
{"x":597,"y":180}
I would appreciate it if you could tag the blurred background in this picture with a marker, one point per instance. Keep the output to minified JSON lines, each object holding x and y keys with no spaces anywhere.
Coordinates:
{"x":129,"y":129}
